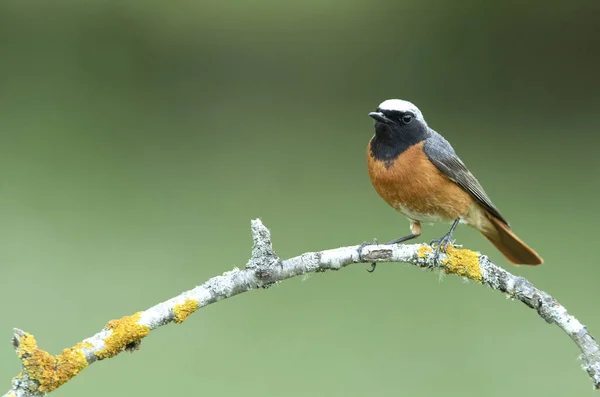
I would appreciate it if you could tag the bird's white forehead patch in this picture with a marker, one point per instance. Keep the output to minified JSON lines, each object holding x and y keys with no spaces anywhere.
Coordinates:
{"x":399,"y":105}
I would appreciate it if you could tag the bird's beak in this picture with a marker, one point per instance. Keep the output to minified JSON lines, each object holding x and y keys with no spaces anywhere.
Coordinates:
{"x":378,"y":116}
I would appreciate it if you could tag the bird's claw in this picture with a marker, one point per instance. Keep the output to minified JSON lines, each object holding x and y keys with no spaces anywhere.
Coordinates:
{"x":442,"y":244}
{"x":360,"y":249}
{"x":364,"y":244}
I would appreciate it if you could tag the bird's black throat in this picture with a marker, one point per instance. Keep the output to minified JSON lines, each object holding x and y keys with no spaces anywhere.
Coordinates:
{"x":391,"y":140}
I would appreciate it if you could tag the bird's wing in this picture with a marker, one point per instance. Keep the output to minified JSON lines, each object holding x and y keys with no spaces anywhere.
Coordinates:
{"x":440,"y":152}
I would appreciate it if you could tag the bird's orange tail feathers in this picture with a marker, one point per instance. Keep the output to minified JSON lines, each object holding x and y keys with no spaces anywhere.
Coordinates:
{"x":515,"y":250}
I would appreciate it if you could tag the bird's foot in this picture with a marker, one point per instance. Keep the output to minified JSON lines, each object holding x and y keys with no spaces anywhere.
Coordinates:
{"x":441,"y":244}
{"x":360,"y":249}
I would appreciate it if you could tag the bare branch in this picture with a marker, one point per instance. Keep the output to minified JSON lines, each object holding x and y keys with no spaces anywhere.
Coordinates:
{"x":43,"y":372}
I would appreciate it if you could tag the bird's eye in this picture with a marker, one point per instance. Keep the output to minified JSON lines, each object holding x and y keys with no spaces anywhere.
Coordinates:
{"x":407,"y":118}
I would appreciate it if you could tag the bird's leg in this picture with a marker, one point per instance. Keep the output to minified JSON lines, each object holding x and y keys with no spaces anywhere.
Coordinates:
{"x":402,"y":239}
{"x":442,"y":243}
{"x":415,"y":229}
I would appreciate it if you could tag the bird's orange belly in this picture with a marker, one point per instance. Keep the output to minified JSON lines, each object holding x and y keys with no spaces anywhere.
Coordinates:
{"x":414,"y":186}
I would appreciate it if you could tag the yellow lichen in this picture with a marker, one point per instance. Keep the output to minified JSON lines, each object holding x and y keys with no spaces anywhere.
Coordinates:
{"x":463,"y":263}
{"x":423,"y":251}
{"x":48,"y":370}
{"x":182,"y":311}
{"x":126,"y":334}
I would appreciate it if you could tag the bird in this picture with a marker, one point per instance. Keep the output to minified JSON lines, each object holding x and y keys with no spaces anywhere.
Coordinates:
{"x":417,"y":172}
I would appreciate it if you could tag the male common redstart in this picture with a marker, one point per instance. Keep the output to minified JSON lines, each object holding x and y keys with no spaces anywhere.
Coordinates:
{"x":416,"y":171}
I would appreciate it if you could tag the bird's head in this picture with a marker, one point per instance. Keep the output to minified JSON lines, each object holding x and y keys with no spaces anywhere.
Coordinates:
{"x":399,"y":119}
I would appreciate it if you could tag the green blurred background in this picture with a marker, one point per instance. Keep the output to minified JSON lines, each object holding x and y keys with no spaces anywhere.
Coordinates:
{"x":138,"y":139}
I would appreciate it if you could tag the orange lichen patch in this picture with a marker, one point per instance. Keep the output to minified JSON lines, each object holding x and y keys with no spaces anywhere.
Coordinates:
{"x":183,"y":310}
{"x":48,"y":370}
{"x":463,"y":263}
{"x":126,"y":332}
{"x":423,"y":251}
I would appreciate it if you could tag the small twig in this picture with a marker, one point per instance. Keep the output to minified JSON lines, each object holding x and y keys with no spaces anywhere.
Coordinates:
{"x":43,"y":372}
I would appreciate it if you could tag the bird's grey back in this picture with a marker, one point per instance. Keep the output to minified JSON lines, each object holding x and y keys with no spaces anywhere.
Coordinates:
{"x":442,"y":155}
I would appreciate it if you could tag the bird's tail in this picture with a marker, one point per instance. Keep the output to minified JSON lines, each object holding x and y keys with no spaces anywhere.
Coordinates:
{"x":515,"y":250}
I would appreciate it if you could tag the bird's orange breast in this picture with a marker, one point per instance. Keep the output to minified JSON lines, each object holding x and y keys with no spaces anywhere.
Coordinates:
{"x":413,"y":185}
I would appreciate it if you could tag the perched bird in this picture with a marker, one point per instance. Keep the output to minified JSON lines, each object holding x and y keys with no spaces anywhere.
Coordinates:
{"x":416,"y":171}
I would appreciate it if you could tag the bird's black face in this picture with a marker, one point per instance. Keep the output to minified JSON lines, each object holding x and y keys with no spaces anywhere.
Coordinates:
{"x":396,"y":131}
{"x":397,"y":124}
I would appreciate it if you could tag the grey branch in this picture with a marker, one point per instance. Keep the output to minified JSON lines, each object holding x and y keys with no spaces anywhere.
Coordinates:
{"x":43,"y":373}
